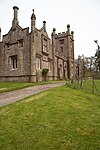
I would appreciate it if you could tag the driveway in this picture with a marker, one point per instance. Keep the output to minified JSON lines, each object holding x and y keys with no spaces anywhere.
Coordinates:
{"x":13,"y":96}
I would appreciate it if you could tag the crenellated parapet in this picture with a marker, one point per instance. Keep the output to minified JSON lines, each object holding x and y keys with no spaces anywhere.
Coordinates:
{"x":60,"y":35}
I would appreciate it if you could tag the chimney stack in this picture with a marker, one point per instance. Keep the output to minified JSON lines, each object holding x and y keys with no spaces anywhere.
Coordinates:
{"x":44,"y":26}
{"x":68,"y":29}
{"x":15,"y":18}
{"x":33,"y":21}
{"x":72,"y":33}
{"x":54,"y":30}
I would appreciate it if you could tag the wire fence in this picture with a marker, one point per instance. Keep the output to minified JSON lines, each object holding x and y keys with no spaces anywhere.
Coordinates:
{"x":91,"y":85}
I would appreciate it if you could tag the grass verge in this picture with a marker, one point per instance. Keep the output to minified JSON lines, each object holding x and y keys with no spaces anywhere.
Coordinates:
{"x":10,"y":86}
{"x":59,"y":119}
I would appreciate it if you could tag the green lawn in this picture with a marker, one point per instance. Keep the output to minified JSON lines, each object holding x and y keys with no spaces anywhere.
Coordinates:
{"x":88,"y":86}
{"x":58,"y":119}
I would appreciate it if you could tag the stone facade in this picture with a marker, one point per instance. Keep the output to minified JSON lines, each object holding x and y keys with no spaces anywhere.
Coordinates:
{"x":24,"y":54}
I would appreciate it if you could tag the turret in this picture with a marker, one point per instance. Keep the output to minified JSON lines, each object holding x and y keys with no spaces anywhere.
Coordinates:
{"x":33,"y":48}
{"x":69,"y":51}
{"x":53,"y":51}
{"x":15,"y":17}
{"x":72,"y":53}
{"x":68,"y":39}
{"x":33,"y":21}
{"x":72,"y":37}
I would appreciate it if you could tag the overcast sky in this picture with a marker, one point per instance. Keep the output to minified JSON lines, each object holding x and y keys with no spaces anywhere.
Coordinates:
{"x":82,"y":15}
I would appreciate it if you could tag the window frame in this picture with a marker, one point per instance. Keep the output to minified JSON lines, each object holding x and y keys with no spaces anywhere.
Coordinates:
{"x":14,"y":62}
{"x":45,"y":45}
{"x":38,"y":63}
{"x":49,"y":65}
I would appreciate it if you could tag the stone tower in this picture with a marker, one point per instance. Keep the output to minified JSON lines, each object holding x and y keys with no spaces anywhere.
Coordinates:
{"x":68,"y":51}
{"x":53,"y":51}
{"x":33,"y":49}
{"x":70,"y":54}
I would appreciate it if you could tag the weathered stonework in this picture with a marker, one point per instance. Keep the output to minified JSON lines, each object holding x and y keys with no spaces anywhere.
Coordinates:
{"x":24,"y":54}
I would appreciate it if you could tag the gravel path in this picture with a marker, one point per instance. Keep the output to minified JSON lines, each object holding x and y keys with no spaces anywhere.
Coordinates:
{"x":10,"y":97}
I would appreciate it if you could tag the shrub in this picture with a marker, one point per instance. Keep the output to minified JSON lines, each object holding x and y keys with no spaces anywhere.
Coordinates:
{"x":45,"y":71}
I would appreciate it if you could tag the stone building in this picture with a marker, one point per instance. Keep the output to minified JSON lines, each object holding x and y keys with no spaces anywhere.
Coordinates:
{"x":24,"y":54}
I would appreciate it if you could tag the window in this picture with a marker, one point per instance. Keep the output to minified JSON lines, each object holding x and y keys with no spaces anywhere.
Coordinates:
{"x":21,"y":43}
{"x":49,"y":65}
{"x":14,"y":62}
{"x":8,"y":45}
{"x":61,"y":67}
{"x":38,"y":63}
{"x":71,"y":44}
{"x":62,"y":49}
{"x":61,"y":41}
{"x":45,"y":45}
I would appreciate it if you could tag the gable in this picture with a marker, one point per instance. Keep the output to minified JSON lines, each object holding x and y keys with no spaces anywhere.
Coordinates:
{"x":13,"y":35}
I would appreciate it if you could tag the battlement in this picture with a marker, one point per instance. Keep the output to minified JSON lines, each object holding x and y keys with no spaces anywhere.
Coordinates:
{"x":59,"y":35}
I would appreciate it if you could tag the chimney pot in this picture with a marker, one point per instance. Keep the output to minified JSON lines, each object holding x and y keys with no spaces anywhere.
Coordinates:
{"x":15,"y":20}
{"x":68,"y":26}
{"x":54,"y":29}
{"x":15,"y":7}
{"x":44,"y":26}
{"x":44,"y":22}
{"x":72,"y":32}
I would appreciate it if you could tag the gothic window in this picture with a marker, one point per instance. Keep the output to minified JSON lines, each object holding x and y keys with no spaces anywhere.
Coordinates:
{"x":45,"y":45}
{"x":38,"y":63}
{"x":14,"y":62}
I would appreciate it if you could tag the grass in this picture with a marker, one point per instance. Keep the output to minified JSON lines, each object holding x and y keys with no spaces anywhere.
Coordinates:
{"x":58,"y":119}
{"x":10,"y":86}
{"x":87,"y":86}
